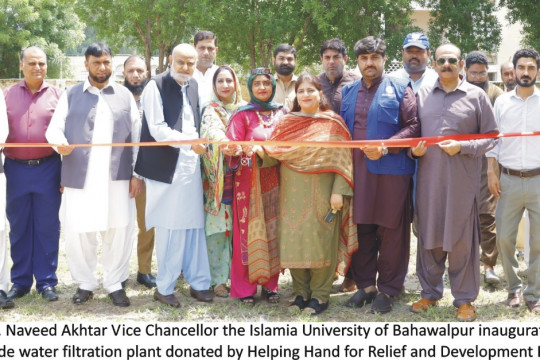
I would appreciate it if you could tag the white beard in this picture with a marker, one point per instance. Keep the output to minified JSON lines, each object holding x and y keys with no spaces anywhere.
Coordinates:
{"x":180,"y":78}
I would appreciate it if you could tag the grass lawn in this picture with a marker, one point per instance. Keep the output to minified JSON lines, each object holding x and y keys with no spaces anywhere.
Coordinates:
{"x":490,"y":304}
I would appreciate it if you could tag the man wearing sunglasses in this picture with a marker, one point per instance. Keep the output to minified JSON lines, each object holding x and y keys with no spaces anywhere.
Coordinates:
{"x":448,"y":184}
{"x":476,"y":70}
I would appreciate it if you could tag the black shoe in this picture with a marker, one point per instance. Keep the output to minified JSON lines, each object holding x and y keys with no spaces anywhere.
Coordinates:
{"x":16,"y":293}
{"x":360,"y":298}
{"x":123,"y":283}
{"x":5,"y":303}
{"x":82,"y":296}
{"x":147,"y":280}
{"x":49,"y":293}
{"x":314,"y":307}
{"x":382,"y":304}
{"x":119,"y":298}
{"x":298,"y":303}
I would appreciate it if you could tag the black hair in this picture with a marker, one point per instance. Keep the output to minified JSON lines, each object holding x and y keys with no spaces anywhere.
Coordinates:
{"x":476,"y":57}
{"x":97,"y":49}
{"x":204,"y":35}
{"x":284,"y":48}
{"x":370,"y":45}
{"x":334,"y":44}
{"x":526,"y":53}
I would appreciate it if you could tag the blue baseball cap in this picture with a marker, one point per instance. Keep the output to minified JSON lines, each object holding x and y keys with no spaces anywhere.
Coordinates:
{"x":417,"y":39}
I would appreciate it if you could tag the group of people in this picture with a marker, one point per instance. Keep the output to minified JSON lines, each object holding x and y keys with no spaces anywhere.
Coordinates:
{"x":230,"y":210}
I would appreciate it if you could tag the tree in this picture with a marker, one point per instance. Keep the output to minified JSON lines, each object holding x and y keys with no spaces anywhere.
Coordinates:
{"x":528,"y":14}
{"x":148,"y":24}
{"x":260,"y":25}
{"x":50,"y":24}
{"x":469,"y":24}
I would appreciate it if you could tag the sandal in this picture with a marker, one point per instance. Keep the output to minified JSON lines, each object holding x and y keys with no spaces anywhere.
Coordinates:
{"x":271,"y":297}
{"x":82,"y":296}
{"x":221,"y":291}
{"x":248,"y":300}
{"x":314,"y":307}
{"x":298,"y":304}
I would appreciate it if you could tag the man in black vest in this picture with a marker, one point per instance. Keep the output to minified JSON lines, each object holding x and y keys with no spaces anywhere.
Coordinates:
{"x":174,"y":205}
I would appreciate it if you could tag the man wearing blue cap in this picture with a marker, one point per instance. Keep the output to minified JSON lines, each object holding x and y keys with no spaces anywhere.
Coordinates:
{"x":416,"y":56}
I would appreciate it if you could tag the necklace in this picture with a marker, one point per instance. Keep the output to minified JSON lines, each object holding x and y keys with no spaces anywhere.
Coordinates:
{"x":268,"y":119}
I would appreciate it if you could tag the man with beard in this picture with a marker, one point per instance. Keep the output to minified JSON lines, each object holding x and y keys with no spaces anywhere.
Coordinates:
{"x":517,"y":184}
{"x":173,"y":178}
{"x":284,"y":64}
{"x":448,"y":185}
{"x":334,"y":78}
{"x":508,"y":76}
{"x":33,"y":180}
{"x":135,"y":79}
{"x":416,"y":56}
{"x":476,"y":70}
{"x":205,"y":43}
{"x":380,"y":107}
{"x":98,"y":182}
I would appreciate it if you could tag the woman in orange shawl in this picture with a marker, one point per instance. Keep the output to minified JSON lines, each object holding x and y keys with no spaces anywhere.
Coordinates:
{"x":314,"y":182}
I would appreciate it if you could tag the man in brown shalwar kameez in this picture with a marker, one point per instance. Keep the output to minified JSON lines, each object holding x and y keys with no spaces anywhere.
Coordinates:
{"x":448,"y":185}
{"x":380,"y":107}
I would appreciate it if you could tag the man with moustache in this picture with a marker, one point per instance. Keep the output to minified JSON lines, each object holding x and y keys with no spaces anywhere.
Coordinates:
{"x":205,"y":43}
{"x":476,"y":70}
{"x":135,"y":79}
{"x":517,"y":184}
{"x":380,"y":107}
{"x":334,"y":77}
{"x":174,"y":204}
{"x":284,"y":64}
{"x":98,"y":182}
{"x":508,"y":76}
{"x":33,"y":180}
{"x":448,"y":185}
{"x":416,"y":55}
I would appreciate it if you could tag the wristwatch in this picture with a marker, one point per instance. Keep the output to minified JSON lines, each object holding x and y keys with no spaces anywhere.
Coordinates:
{"x":384,"y":150}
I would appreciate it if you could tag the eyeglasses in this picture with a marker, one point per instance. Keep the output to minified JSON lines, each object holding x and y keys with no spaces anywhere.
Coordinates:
{"x":478,"y":74}
{"x":260,"y":71}
{"x":451,"y":61}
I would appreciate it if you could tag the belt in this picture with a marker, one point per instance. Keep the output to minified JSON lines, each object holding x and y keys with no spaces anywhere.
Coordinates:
{"x":35,"y":162}
{"x":521,"y":173}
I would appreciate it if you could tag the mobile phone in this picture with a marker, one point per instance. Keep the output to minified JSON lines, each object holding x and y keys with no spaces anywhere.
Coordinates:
{"x":330,"y":216}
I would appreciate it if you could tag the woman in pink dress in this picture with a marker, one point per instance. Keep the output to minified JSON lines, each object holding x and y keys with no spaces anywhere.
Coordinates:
{"x":255,"y":259}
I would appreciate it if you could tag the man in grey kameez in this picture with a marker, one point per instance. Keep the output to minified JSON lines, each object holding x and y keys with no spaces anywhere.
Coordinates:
{"x":448,"y":186}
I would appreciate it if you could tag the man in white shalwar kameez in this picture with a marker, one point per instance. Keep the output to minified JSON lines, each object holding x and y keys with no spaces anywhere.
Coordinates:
{"x":98,"y":183}
{"x":5,"y":302}
{"x":174,"y":205}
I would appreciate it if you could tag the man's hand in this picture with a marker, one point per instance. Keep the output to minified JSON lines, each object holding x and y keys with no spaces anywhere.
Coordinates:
{"x":451,"y":147}
{"x":373,"y":152}
{"x":493,"y":174}
{"x":65,"y":150}
{"x":420,"y":149}
{"x":199,"y":149}
{"x":135,"y":187}
{"x":336,"y":202}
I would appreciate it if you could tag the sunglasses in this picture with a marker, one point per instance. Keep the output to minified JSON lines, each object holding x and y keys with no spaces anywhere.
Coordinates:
{"x":451,"y":61}
{"x":260,"y":71}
